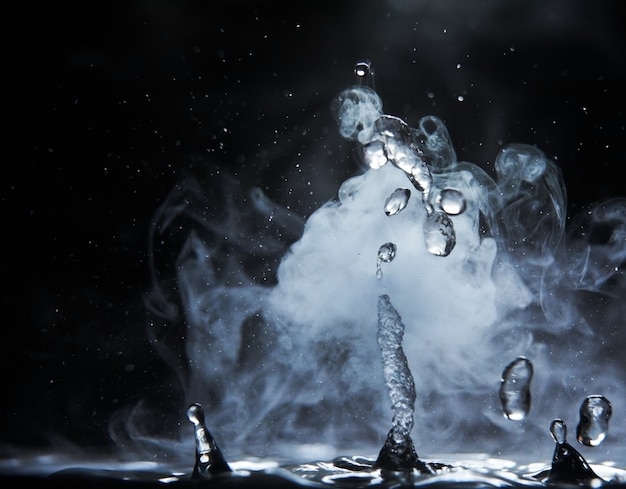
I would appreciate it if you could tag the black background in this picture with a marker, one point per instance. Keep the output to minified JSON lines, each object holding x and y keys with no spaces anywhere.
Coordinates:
{"x":106,"y":104}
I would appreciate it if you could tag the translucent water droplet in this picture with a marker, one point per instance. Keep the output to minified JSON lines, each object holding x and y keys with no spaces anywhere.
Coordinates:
{"x":515,"y":388}
{"x":451,"y":201}
{"x":362,"y":68}
{"x":439,"y":236}
{"x":386,"y":253}
{"x":558,"y":430}
{"x":209,"y":458}
{"x":397,"y":201}
{"x":595,"y":413}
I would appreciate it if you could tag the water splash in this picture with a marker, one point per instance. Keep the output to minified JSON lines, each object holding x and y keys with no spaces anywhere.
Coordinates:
{"x":386,"y":253}
{"x":209,"y":458}
{"x":595,"y":413}
{"x":569,"y":466}
{"x":398,"y":452}
{"x":515,"y":388}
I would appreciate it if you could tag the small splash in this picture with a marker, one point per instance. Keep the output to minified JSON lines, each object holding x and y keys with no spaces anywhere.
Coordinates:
{"x":397,"y":201}
{"x":568,"y":466}
{"x":439,"y":235}
{"x":593,"y":424}
{"x":515,"y":388}
{"x":209,"y":458}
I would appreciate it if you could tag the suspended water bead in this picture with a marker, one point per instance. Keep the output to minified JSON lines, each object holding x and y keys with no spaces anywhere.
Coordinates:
{"x":209,"y":458}
{"x":568,"y":466}
{"x":397,"y":201}
{"x":451,"y":201}
{"x":439,"y":235}
{"x":386,"y":253}
{"x":515,"y":389}
{"x":362,"y":68}
{"x":595,"y":413}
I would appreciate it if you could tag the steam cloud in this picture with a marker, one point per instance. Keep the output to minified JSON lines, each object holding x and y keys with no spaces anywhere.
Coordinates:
{"x":281,"y":316}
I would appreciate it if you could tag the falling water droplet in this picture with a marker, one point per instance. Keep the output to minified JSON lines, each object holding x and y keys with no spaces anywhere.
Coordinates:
{"x":595,"y":413}
{"x":515,"y":388}
{"x":568,"y":466}
{"x":451,"y":201}
{"x":439,"y":235}
{"x":397,"y":201}
{"x":209,"y":458}
{"x":386,"y":253}
{"x":362,"y":68}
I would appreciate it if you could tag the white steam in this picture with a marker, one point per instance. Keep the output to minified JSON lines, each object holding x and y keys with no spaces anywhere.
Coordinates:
{"x":287,"y":357}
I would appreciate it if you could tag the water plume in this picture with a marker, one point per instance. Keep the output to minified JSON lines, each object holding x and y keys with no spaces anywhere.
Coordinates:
{"x":279,"y":315}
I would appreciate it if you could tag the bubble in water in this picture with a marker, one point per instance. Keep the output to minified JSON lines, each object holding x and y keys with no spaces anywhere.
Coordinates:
{"x":397,"y":201}
{"x":515,"y":388}
{"x":386,"y":253}
{"x":451,"y":201}
{"x":595,"y":413}
{"x":439,"y":235}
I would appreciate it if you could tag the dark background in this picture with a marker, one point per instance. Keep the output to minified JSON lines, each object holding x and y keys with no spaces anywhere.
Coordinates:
{"x":107,"y":104}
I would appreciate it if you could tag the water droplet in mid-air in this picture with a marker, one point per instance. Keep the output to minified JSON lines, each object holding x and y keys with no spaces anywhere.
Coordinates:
{"x":595,"y":413}
{"x":451,"y":201}
{"x":386,"y":253}
{"x":515,"y":388}
{"x":397,"y":201}
{"x":362,"y":68}
{"x":439,"y":236}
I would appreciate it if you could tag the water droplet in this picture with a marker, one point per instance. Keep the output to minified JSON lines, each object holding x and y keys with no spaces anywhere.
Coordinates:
{"x":362,"y":68}
{"x":386,"y":253}
{"x":515,"y":388}
{"x":397,"y":201}
{"x":569,"y":466}
{"x":439,"y":236}
{"x":451,"y":201}
{"x":595,"y":413}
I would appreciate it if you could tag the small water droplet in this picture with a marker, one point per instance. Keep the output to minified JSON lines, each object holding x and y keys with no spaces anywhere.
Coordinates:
{"x":595,"y":413}
{"x":558,"y":430}
{"x":515,"y":388}
{"x":439,"y":236}
{"x":451,"y":201}
{"x":386,"y":253}
{"x":569,"y":466}
{"x":397,"y":201}
{"x":362,"y":68}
